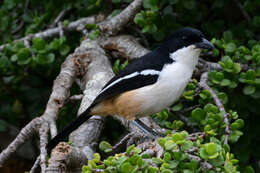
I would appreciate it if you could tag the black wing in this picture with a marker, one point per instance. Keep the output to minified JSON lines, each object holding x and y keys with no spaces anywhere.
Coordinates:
{"x":151,"y":61}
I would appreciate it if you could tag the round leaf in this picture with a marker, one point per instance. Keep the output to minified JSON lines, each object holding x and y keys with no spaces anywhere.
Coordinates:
{"x":248,"y":90}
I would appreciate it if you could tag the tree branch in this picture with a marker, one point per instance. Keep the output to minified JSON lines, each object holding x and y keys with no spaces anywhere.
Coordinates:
{"x":55,"y":31}
{"x":126,"y":45}
{"x":116,"y":23}
{"x":24,"y":135}
{"x":203,"y":84}
{"x":43,"y":132}
{"x":35,"y":165}
{"x":58,"y":18}
{"x":243,"y":11}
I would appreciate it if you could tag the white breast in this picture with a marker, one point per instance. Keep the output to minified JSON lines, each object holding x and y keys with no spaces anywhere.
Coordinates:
{"x":171,"y":82}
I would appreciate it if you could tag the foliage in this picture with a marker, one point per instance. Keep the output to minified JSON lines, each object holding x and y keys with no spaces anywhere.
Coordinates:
{"x":27,"y":74}
{"x":177,"y":157}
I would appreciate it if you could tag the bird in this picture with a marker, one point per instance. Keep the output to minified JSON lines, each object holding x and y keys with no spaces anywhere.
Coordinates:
{"x":148,"y":84}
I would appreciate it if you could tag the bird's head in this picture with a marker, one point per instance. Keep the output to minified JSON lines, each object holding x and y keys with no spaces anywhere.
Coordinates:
{"x":186,"y":37}
{"x":186,"y":44}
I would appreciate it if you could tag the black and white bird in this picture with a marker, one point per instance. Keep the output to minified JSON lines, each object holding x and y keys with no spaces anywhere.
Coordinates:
{"x":149,"y":84}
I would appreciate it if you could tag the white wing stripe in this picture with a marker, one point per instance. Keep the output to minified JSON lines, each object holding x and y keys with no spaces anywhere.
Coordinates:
{"x":145,"y":72}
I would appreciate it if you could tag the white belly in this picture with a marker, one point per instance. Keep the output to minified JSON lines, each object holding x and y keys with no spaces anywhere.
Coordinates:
{"x":169,"y":87}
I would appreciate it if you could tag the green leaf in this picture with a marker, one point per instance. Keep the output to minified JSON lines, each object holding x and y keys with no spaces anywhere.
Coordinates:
{"x":38,"y":43}
{"x":223,"y":96}
{"x":91,"y":26}
{"x":256,"y":21}
{"x":157,"y":161}
{"x":23,"y":56}
{"x":230,"y":47}
{"x":150,"y":4}
{"x":55,"y":44}
{"x":152,"y":170}
{"x":96,"y":157}
{"x":225,"y":82}
{"x":234,"y":136}
{"x":43,"y":59}
{"x":149,"y":28}
{"x":169,"y":145}
{"x":129,"y":149}
{"x":177,"y":107}
{"x":249,"y":169}
{"x":211,"y":108}
{"x":187,"y":145}
{"x":237,"y":67}
{"x":203,"y":154}
{"x":228,"y":36}
{"x":105,"y":146}
{"x":93,"y":35}
{"x":211,"y":148}
{"x":167,"y":156}
{"x":198,"y":114}
{"x":139,"y":18}
{"x":4,"y":62}
{"x":64,"y":49}
{"x":248,"y":90}
{"x":126,"y":167}
{"x":238,"y":124}
{"x":3,"y":125}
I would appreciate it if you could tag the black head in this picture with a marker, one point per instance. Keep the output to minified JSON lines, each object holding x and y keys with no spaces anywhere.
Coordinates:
{"x":185,"y":37}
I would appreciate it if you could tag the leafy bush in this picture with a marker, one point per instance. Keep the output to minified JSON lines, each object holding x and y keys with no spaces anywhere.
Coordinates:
{"x":27,"y":74}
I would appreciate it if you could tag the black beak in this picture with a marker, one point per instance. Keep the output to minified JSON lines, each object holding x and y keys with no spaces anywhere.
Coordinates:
{"x":205,"y":44}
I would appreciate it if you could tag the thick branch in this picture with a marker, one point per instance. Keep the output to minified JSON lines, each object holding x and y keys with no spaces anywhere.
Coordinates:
{"x":99,"y":72}
{"x":64,"y":155}
{"x":116,"y":23}
{"x":61,"y":90}
{"x":126,"y":45}
{"x":86,"y":137}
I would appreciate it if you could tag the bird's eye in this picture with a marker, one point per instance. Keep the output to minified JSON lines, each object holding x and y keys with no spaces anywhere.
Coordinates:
{"x":184,"y":38}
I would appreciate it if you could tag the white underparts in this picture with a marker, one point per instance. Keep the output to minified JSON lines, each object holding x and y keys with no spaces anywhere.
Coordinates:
{"x":171,"y":82}
{"x":132,"y":75}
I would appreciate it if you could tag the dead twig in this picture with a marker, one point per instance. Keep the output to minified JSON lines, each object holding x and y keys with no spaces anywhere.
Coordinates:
{"x":58,"y":18}
{"x":242,"y":11}
{"x":61,"y":30}
{"x":35,"y":165}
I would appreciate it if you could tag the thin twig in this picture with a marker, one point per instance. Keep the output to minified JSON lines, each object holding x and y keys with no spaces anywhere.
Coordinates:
{"x":205,"y":66}
{"x":58,"y":18}
{"x":61,"y":30}
{"x":122,"y":141}
{"x":242,"y":10}
{"x":25,"y":134}
{"x":186,"y":110}
{"x":55,"y":31}
{"x":203,"y":84}
{"x":35,"y":165}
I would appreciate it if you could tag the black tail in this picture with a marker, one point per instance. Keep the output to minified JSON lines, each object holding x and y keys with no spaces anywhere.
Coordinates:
{"x":68,"y":129}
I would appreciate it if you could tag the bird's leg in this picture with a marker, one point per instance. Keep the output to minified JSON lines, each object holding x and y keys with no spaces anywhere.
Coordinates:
{"x":146,"y":129}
